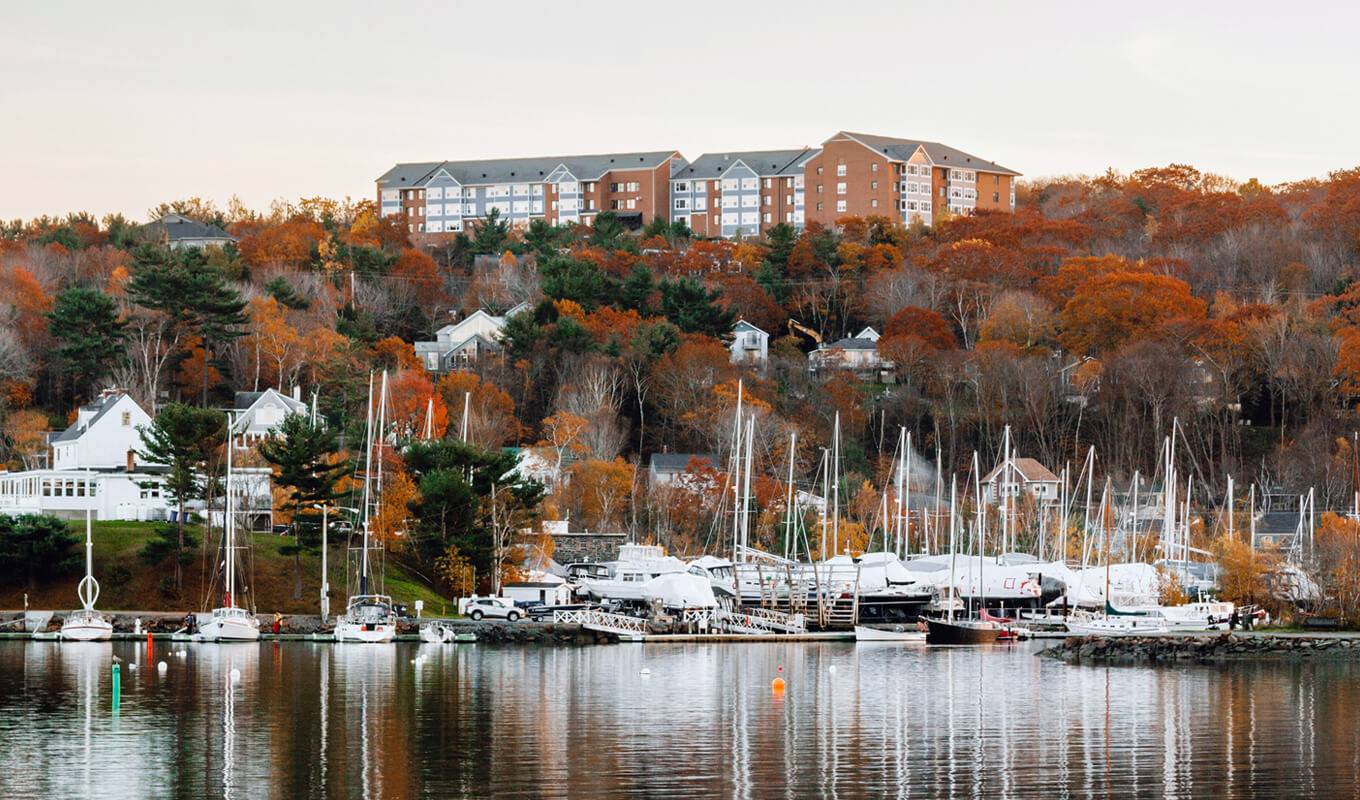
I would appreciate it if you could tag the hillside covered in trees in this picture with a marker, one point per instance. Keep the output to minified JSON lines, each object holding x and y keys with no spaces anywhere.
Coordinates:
{"x":1096,"y":314}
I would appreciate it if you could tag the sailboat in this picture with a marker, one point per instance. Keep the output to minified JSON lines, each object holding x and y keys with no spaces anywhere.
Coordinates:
{"x":948,"y":630}
{"x":86,"y":624}
{"x":369,"y":617}
{"x":230,"y":623}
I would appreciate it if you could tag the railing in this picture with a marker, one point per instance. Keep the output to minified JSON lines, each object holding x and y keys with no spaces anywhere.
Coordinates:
{"x":602,"y":621}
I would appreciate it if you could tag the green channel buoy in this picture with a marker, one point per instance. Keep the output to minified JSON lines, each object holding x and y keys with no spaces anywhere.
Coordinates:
{"x":117,"y":686}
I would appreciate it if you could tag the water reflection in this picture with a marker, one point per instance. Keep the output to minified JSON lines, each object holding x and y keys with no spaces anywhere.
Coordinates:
{"x":356,"y":721}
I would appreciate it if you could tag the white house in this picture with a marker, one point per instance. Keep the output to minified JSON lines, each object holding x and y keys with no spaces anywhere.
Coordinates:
{"x":540,"y":587}
{"x":258,"y":415}
{"x":95,"y":466}
{"x":1021,"y":474}
{"x":177,"y":231}
{"x":668,"y":468}
{"x":105,"y":434}
{"x":858,"y":353}
{"x":750,"y":345}
{"x":475,"y":335}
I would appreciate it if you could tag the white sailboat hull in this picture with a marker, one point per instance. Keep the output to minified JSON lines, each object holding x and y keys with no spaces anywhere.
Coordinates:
{"x":86,"y":626}
{"x":897,"y":633}
{"x":233,"y":628}
{"x":1121,"y":626}
{"x":371,"y":633}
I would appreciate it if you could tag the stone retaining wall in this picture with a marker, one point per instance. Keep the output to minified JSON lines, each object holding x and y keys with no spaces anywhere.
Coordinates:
{"x":1198,"y":649}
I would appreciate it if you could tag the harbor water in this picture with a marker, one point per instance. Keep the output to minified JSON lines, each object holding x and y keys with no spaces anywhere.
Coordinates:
{"x":310,"y":720}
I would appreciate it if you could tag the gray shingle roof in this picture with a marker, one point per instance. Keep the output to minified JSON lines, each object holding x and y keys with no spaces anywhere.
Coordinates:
{"x":520,"y":170}
{"x":943,"y":155}
{"x":76,"y":429}
{"x":764,"y":162}
{"x":175,"y":227}
{"x":670,"y":463}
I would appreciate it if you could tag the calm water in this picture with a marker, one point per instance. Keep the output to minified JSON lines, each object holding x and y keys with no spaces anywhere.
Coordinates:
{"x":308,"y":720}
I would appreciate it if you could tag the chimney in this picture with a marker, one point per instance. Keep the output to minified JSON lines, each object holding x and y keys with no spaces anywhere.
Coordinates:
{"x":297,"y":393}
{"x":131,"y":460}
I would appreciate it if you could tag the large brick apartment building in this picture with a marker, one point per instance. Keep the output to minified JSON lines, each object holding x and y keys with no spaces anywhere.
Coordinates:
{"x":719,"y":194}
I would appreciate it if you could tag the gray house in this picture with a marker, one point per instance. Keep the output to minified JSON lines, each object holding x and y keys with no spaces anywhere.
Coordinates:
{"x":460,"y":343}
{"x":259,"y":414}
{"x":176,"y":231}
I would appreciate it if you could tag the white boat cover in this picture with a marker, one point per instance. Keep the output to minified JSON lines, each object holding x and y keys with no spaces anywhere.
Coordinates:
{"x":680,"y":590}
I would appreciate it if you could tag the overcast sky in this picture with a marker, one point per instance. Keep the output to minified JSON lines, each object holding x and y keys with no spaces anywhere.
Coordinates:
{"x":120,"y":106}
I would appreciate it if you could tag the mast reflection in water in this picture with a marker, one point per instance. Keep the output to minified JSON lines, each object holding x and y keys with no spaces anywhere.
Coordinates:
{"x":357,"y":721}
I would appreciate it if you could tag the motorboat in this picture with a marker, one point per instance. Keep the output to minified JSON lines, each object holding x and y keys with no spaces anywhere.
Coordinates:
{"x":435,"y":633}
{"x":889,"y":633}
{"x":1116,"y":626}
{"x":636,"y":565}
{"x":718,"y":571}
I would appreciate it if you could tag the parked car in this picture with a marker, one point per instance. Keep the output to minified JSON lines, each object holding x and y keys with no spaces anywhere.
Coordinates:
{"x":479,"y":607}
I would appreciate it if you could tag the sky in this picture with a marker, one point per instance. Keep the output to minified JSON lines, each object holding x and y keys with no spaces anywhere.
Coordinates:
{"x":117,"y":107}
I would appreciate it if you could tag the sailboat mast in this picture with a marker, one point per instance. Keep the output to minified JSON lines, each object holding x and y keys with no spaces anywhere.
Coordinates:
{"x":746,"y":488}
{"x":905,"y":544}
{"x":836,"y":486}
{"x":953,"y":550}
{"x":788,"y":498}
{"x":982,"y":533}
{"x":736,"y":478}
{"x":368,"y":478}
{"x":901,"y":468}
{"x":230,"y":525}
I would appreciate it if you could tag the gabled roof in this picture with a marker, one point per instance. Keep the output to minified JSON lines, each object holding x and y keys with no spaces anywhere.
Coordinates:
{"x":743,"y":325}
{"x":942,"y":155}
{"x":481,"y":312}
{"x":670,"y":463}
{"x":764,"y":163}
{"x":1029,"y":469}
{"x":177,"y":227}
{"x":852,"y":343}
{"x":521,"y":170}
{"x":244,"y":401}
{"x":481,"y":341}
{"x":76,"y":430}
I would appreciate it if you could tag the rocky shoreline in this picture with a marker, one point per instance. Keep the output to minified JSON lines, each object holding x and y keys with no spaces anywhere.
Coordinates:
{"x":1120,"y":650}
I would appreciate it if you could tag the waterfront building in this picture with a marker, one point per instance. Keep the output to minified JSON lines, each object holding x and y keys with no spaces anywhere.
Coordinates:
{"x":740,"y":194}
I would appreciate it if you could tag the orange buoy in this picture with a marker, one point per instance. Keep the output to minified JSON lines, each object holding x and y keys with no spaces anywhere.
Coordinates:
{"x":778,"y":686}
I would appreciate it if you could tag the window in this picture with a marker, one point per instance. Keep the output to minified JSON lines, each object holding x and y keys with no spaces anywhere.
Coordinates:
{"x":749,"y":200}
{"x":996,"y":180}
{"x":819,"y":206}
{"x":840,"y":188}
{"x":701,"y":186}
{"x":840,"y":206}
{"x":873,"y":167}
{"x":682,"y":186}
{"x":788,"y":199}
{"x":729,"y":201}
{"x":590,"y":186}
{"x":717,"y":219}
{"x":700,"y":203}
{"x":731,"y":184}
{"x":943,"y":192}
{"x":925,"y":205}
{"x":819,"y":170}
{"x":873,"y":203}
{"x":632,"y":203}
{"x":819,"y":188}
{"x":749,"y":184}
{"x":681,"y":204}
{"x":788,"y":216}
{"x":436,"y":193}
{"x":614,"y":205}
{"x":613,"y":187}
{"x":767,"y":183}
{"x":766,"y":216}
{"x":765,"y":201}
{"x":127,"y":419}
{"x":538,"y":190}
{"x":996,"y":197}
{"x":521,"y":189}
{"x":840,"y":170}
{"x":873,"y":184}
{"x":911,"y":205}
{"x":632,"y":186}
